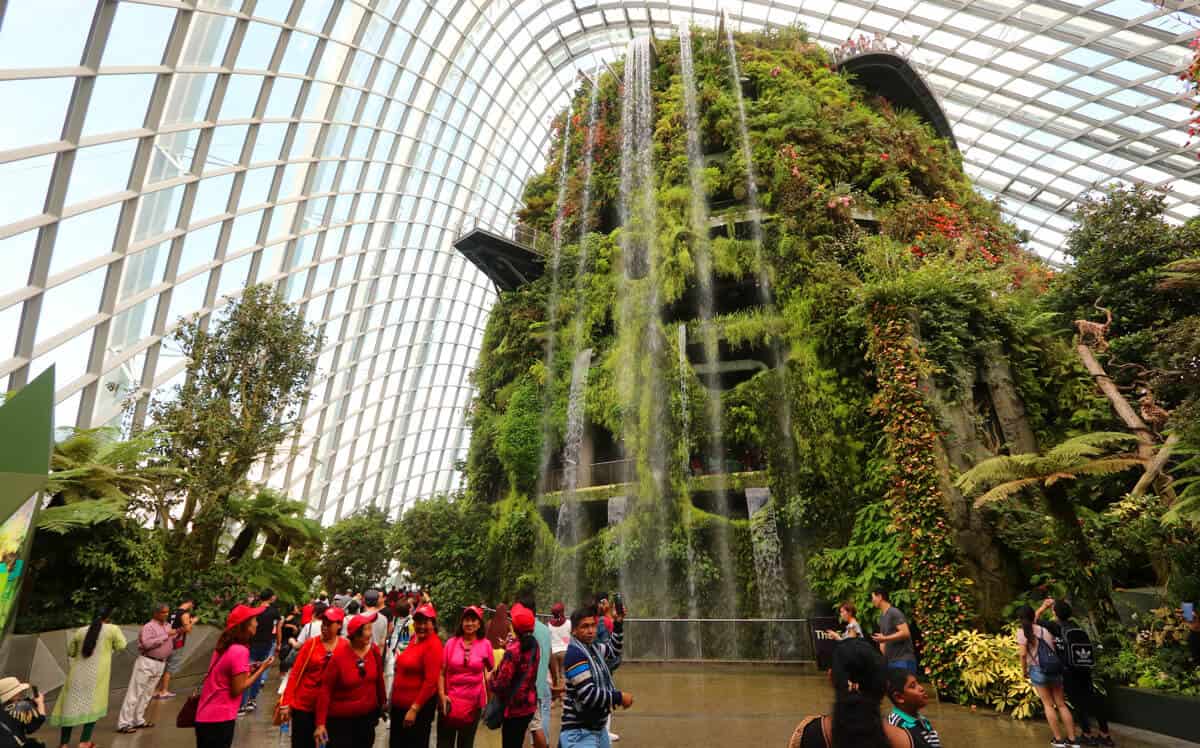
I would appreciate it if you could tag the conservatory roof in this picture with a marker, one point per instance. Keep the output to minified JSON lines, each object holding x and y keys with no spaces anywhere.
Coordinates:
{"x":159,"y":155}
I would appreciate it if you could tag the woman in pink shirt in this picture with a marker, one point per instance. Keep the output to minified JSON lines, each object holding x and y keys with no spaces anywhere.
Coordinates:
{"x":228,"y":676}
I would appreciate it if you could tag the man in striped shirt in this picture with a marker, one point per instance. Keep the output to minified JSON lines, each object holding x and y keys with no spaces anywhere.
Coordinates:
{"x":591,"y":695}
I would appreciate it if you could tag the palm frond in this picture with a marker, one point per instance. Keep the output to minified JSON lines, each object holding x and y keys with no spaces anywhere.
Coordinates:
{"x":1181,"y":275}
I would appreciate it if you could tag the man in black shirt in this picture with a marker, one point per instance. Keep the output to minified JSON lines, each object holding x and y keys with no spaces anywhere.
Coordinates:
{"x":262,"y":645}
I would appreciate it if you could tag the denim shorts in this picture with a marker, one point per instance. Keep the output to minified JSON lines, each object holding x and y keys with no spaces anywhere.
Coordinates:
{"x":1041,"y":679}
{"x":577,"y":738}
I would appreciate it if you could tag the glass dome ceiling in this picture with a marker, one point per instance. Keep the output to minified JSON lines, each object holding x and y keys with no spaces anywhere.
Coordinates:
{"x":158,"y":156}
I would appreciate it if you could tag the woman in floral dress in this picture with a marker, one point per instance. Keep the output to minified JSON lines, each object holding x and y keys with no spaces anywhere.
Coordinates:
{"x":84,"y":698}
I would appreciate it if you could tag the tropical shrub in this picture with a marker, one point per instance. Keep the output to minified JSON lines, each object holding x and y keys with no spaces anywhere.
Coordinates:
{"x":991,"y":673}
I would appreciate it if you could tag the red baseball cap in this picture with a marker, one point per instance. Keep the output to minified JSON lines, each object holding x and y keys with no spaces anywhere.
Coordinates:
{"x":474,"y":610}
{"x":334,"y":614}
{"x":522,"y":619}
{"x":425,"y":611}
{"x":360,"y":620}
{"x":240,"y":614}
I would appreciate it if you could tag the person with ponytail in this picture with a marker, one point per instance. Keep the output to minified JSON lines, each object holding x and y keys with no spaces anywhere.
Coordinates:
{"x":230,"y":674}
{"x":516,"y":678}
{"x":1044,"y":669}
{"x":84,"y":697}
{"x":858,"y":683}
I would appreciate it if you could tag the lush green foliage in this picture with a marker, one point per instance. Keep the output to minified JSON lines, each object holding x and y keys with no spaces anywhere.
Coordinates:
{"x":442,"y":541}
{"x":1159,"y":656}
{"x":358,"y":551}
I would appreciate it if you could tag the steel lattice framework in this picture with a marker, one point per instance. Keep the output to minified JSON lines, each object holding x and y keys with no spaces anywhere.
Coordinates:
{"x":159,"y":155}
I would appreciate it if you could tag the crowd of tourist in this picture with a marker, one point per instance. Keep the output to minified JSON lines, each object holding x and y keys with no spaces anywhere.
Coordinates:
{"x":356,"y":661}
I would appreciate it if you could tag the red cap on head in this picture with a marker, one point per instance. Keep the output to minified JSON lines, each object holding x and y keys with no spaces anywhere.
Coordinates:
{"x":334,"y":614}
{"x":358,"y":621}
{"x":240,"y":614}
{"x":425,"y":611}
{"x":522,"y":619}
{"x":557,"y":609}
{"x":474,"y":610}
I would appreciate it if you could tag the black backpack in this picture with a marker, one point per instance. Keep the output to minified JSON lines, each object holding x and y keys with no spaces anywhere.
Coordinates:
{"x":1078,"y":650}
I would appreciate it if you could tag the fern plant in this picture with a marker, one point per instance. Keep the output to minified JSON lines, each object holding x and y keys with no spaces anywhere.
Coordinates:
{"x":1087,"y":454}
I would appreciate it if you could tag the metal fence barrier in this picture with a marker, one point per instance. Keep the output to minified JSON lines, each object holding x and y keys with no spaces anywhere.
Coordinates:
{"x":717,"y":639}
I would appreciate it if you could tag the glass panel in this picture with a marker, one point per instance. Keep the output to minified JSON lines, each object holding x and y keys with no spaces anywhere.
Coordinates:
{"x":17,"y":252}
{"x":188,"y":297}
{"x":100,"y":170}
{"x":269,"y":142}
{"x":23,"y":188}
{"x":132,"y":325}
{"x":138,"y":36}
{"x":42,"y":103}
{"x":157,"y":212}
{"x":118,"y":103}
{"x":241,"y":97}
{"x":144,"y":269}
{"x":199,"y":247}
{"x":173,"y":155}
{"x":43,"y":34}
{"x":211,"y":197}
{"x":188,"y":99}
{"x":233,"y":275}
{"x":66,"y":305}
{"x":258,"y":46}
{"x":84,"y":237}
{"x":283,"y":98}
{"x":226,"y":146}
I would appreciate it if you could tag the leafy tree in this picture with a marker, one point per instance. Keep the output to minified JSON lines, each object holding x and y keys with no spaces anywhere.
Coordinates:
{"x":246,"y":379}
{"x":358,"y":551}
{"x":443,"y":542}
{"x":1120,"y":247}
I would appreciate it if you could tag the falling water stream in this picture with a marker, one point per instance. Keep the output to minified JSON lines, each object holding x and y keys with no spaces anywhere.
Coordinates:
{"x":702,"y":253}
{"x":764,"y":529}
{"x":639,"y":329}
{"x":568,"y":529}
{"x":553,"y":300}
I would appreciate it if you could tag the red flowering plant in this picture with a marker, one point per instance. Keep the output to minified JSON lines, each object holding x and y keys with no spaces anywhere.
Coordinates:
{"x":942,"y":593}
{"x":944,"y":227}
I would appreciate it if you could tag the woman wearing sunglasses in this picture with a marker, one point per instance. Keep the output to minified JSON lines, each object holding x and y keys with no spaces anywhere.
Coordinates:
{"x":462,"y":688}
{"x":299,"y":702}
{"x":352,"y":698}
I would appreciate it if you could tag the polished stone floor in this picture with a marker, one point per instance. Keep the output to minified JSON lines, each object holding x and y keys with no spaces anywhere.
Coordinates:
{"x":675,"y":706}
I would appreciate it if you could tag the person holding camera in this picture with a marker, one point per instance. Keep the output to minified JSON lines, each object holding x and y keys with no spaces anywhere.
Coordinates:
{"x":22,"y":711}
{"x":591,"y":694}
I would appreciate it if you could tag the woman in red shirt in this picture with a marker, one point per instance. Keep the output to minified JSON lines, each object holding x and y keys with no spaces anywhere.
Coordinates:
{"x":352,"y":698}
{"x":299,"y":702}
{"x":418,"y":668}
{"x":516,"y":679}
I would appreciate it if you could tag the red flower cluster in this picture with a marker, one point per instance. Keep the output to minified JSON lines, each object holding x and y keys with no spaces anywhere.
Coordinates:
{"x":943,"y":222}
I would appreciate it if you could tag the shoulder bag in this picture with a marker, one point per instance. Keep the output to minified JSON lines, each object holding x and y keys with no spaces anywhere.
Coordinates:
{"x":277,"y":715}
{"x":187,"y":712}
{"x":493,"y":713}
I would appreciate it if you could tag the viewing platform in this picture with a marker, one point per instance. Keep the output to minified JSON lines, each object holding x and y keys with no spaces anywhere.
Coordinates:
{"x":509,"y":262}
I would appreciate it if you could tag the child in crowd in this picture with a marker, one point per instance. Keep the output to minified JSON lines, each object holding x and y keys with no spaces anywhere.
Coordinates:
{"x":908,"y":699}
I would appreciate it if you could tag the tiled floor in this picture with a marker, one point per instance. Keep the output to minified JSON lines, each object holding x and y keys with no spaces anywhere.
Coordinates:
{"x":675,"y":706}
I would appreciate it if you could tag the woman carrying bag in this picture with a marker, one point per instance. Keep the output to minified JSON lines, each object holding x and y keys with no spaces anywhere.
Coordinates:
{"x":516,"y":679}
{"x":462,"y":688}
{"x":352,"y":698}
{"x":305,"y":681}
{"x":228,"y":676}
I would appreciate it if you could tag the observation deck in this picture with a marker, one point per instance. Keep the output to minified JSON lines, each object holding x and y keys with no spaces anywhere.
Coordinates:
{"x":509,"y":262}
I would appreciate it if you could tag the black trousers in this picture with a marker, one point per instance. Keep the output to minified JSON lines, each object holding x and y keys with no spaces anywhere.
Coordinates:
{"x":512,"y":732}
{"x":304,"y":724}
{"x":456,"y":737}
{"x":416,"y":736}
{"x":215,"y":734}
{"x":1082,"y":694}
{"x":351,"y":732}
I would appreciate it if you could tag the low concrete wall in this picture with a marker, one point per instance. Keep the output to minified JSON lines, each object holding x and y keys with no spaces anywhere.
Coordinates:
{"x":41,"y":659}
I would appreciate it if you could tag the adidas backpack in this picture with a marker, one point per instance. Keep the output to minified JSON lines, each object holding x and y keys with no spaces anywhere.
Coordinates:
{"x":1078,"y":650}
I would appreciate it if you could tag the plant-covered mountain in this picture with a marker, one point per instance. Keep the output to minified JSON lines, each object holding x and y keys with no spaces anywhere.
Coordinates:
{"x":777,"y":381}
